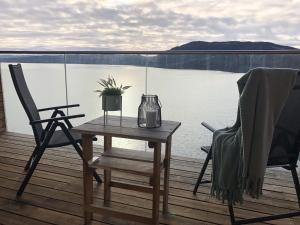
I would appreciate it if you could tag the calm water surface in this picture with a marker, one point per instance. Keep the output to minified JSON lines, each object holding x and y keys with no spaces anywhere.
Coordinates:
{"x":189,"y":96}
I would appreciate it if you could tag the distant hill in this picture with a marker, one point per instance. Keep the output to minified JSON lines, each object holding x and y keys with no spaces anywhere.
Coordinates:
{"x":231,"y":45}
{"x":237,"y":63}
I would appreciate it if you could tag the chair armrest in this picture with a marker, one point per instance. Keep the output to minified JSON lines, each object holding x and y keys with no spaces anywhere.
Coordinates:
{"x":206,"y":125}
{"x":58,"y":107}
{"x":56,"y":119}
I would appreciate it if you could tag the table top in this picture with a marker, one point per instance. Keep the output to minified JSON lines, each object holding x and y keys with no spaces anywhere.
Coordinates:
{"x":128,"y":129}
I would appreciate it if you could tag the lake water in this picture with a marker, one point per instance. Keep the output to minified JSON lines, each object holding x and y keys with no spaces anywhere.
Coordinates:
{"x":189,"y":96}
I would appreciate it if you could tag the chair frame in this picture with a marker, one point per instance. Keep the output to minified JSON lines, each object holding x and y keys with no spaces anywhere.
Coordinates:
{"x":292,"y":167}
{"x":58,"y":119}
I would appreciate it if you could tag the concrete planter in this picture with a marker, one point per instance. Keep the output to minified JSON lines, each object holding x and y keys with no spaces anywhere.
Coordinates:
{"x":111,"y":102}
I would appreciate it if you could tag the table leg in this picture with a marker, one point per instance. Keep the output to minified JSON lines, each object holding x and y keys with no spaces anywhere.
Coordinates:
{"x":156,"y":183}
{"x":87,"y":146}
{"x":107,"y":173}
{"x":167,"y":175}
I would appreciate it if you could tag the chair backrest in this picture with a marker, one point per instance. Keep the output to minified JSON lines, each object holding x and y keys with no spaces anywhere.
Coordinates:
{"x":286,"y":139}
{"x":26,"y":100}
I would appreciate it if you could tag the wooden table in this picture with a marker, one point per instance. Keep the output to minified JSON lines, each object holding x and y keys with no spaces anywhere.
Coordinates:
{"x":129,"y":161}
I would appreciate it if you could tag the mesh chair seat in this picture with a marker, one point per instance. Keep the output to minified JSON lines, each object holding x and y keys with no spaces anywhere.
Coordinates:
{"x":59,"y":138}
{"x":280,"y":157}
{"x":277,"y":157}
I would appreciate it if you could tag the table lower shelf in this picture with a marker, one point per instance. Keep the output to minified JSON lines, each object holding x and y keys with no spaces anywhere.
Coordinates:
{"x":124,"y":160}
{"x":130,"y":154}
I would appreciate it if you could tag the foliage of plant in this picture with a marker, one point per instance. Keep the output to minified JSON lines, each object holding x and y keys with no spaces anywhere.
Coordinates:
{"x":110,"y":87}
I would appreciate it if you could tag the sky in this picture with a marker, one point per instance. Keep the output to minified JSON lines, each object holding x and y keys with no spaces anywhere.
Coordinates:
{"x":144,"y":24}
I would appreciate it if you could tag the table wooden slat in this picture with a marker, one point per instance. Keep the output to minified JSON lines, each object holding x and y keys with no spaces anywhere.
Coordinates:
{"x":123,"y":165}
{"x":129,"y":129}
{"x":130,"y":154}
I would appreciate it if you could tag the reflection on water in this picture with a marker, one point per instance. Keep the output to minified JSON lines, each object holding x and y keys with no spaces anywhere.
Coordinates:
{"x":189,"y":96}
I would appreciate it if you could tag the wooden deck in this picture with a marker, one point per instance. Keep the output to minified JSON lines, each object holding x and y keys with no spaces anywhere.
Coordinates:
{"x":54,"y":195}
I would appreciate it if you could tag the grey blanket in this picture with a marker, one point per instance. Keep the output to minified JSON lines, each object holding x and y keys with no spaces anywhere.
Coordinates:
{"x":240,"y":153}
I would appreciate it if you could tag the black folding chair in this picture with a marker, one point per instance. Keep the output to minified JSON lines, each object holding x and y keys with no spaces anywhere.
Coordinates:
{"x":284,"y":152}
{"x":49,"y":137}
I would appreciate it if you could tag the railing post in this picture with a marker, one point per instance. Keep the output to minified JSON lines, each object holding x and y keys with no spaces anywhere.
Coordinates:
{"x":66,"y":83}
{"x":2,"y":112}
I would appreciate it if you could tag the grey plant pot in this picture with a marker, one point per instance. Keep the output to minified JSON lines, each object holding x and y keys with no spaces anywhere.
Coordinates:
{"x":112,"y":102}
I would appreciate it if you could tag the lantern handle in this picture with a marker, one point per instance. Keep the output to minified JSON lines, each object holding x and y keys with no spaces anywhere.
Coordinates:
{"x":159,"y":103}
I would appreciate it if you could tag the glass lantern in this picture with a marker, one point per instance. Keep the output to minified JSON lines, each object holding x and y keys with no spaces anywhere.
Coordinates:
{"x":149,"y":114}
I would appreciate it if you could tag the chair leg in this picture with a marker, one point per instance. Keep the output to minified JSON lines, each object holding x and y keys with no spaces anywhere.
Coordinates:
{"x":29,"y":162}
{"x":36,"y":160}
{"x":272,"y":217}
{"x":30,"y":171}
{"x":78,"y":149}
{"x":208,"y":157}
{"x":296,"y":182}
{"x":231,"y":213}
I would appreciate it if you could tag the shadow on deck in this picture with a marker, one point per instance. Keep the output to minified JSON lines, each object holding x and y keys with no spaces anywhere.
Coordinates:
{"x":54,"y":194}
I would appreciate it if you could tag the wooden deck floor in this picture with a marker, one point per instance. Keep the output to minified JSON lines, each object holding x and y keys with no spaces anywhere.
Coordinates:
{"x":54,"y":195}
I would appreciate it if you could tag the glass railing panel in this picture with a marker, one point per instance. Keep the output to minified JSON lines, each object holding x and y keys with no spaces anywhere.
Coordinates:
{"x":83,"y":72}
{"x":46,"y":83}
{"x":191,"y":93}
{"x":201,"y":87}
{"x":274,"y":61}
{"x":192,"y":88}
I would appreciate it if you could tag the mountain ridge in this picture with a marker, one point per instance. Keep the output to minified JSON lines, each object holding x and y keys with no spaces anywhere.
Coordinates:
{"x":232,"y":45}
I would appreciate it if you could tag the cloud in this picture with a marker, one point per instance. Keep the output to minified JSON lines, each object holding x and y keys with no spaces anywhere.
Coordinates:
{"x":143,"y":24}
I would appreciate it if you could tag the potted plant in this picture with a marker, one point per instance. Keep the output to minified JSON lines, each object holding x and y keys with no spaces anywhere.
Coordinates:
{"x":111,"y":94}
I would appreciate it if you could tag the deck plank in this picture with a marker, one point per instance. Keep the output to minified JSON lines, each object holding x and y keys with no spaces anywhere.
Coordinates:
{"x":54,"y":194}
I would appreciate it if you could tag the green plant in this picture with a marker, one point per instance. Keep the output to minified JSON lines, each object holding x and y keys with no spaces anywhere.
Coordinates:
{"x":109,"y":87}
